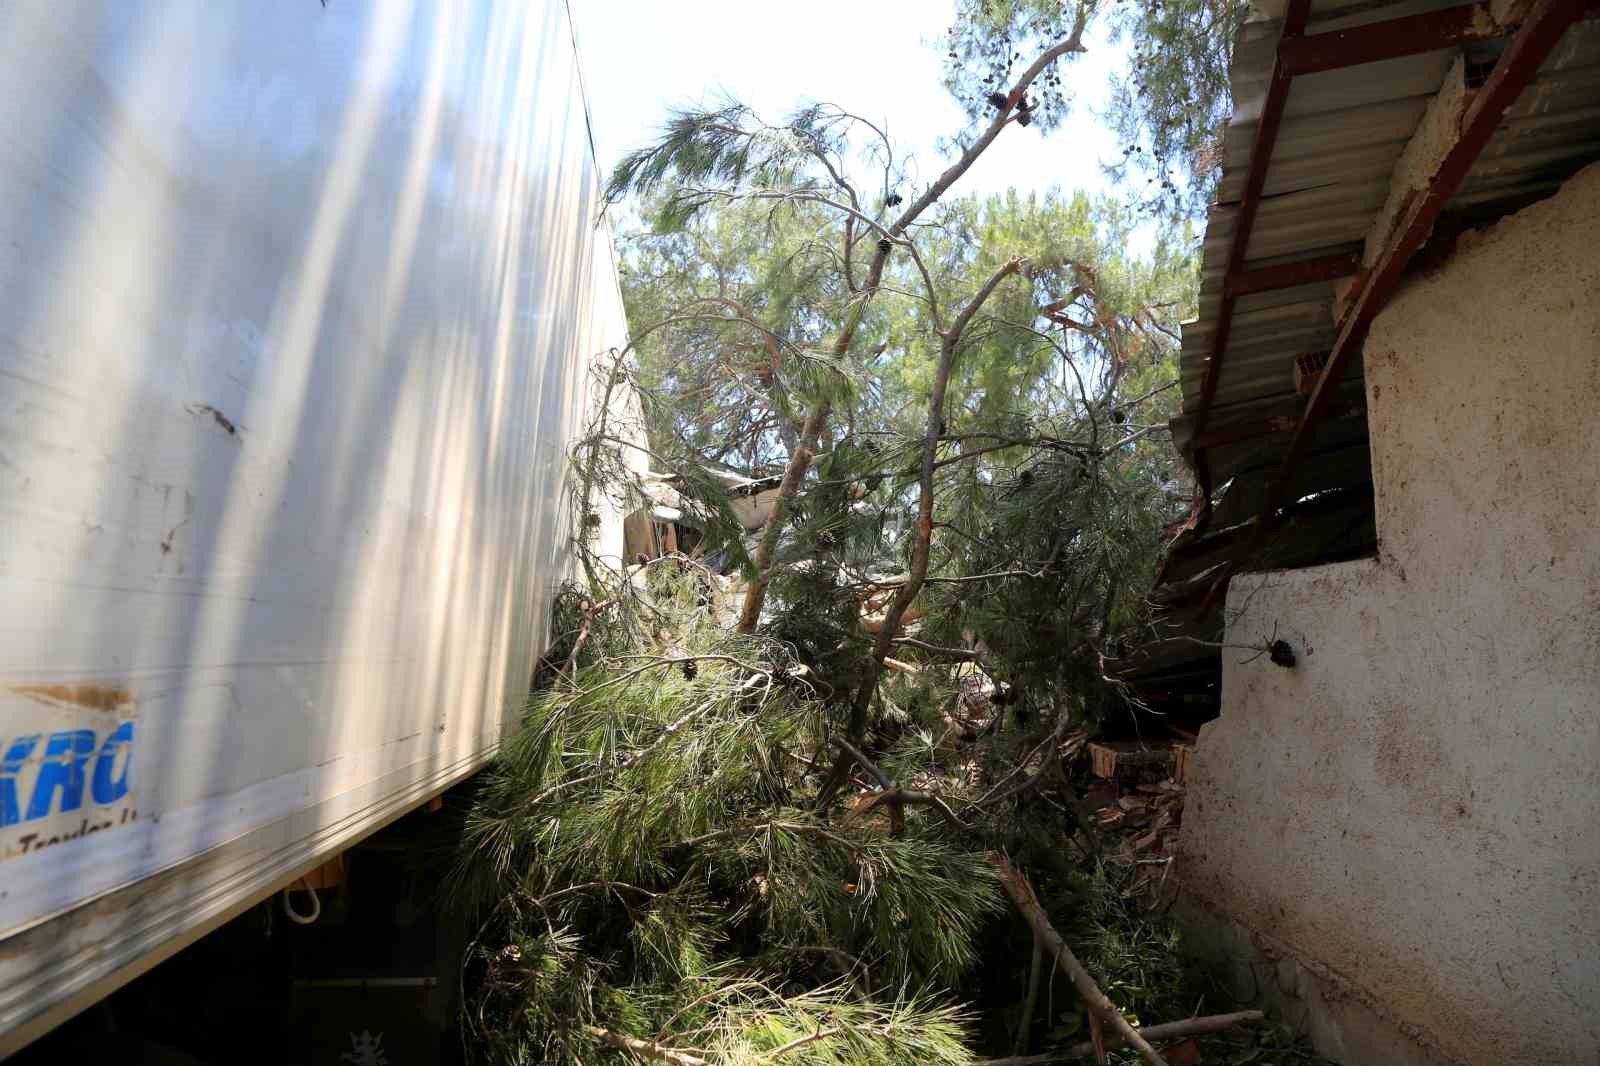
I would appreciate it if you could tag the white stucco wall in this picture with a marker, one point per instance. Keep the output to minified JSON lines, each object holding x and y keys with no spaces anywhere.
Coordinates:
{"x":1413,"y":808}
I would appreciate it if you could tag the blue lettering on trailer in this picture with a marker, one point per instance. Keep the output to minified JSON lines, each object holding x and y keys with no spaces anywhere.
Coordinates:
{"x":64,"y":772}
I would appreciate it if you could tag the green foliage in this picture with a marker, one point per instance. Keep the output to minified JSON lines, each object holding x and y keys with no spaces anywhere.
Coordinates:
{"x":1171,"y":108}
{"x":655,"y":856}
{"x":990,"y":41}
{"x":698,"y":148}
{"x":1169,"y":105}
{"x":704,"y":156}
{"x":747,"y":294}
{"x":910,"y":906}
{"x":648,"y":861}
{"x":897,"y":1033}
{"x":1053,"y":475}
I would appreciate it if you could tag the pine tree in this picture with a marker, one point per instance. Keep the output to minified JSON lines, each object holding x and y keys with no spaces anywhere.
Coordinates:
{"x":1169,"y":108}
{"x":756,"y":805}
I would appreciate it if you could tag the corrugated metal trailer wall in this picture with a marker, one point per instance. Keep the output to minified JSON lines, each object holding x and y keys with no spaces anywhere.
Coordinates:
{"x":299,"y":304}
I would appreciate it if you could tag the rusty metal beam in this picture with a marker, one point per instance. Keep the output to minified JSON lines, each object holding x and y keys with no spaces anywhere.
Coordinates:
{"x":1288,"y":275}
{"x":1392,"y":39}
{"x":1543,"y":28}
{"x":1294,"y":25}
{"x":1412,"y":35}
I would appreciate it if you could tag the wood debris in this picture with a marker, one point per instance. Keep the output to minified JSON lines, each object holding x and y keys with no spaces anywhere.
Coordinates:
{"x":1137,"y":805}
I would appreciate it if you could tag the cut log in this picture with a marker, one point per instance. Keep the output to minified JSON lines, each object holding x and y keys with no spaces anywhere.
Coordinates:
{"x":1113,"y":759}
{"x":1183,"y":764}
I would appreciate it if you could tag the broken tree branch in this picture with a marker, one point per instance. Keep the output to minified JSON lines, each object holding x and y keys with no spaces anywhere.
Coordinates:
{"x":1017,"y":887}
{"x":1211,"y":1023}
{"x":1030,"y":1001}
{"x":569,"y":668}
{"x":894,"y":795}
{"x":914,"y":797}
{"x":644,"y":1047}
{"x":885,"y":782}
{"x":922,"y":535}
{"x":811,"y":433}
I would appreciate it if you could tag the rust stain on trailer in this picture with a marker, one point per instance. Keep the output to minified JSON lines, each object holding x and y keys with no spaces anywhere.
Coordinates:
{"x":94,"y":697}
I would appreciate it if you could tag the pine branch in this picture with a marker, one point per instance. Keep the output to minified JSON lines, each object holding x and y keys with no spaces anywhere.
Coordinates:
{"x":922,"y":537}
{"x":1021,"y":893}
{"x":895,"y":796}
{"x":800,"y":459}
{"x":1030,"y":1000}
{"x":801,"y":1041}
{"x":645,"y":1047}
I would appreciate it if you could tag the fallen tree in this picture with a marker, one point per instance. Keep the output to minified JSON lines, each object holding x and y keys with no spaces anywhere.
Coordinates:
{"x":739,"y":835}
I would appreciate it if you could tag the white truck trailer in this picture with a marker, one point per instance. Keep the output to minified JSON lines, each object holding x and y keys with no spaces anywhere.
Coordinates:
{"x":299,"y":303}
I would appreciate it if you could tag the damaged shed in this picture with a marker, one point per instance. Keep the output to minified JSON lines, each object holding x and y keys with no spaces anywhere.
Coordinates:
{"x":1365,"y":138}
{"x":1389,"y":405}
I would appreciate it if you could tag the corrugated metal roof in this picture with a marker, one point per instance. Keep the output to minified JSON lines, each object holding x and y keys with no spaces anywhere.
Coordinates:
{"x":1329,"y":176}
{"x":1328,"y":180}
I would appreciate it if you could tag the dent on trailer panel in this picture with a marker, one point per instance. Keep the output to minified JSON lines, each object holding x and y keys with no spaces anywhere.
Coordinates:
{"x":300,"y":303}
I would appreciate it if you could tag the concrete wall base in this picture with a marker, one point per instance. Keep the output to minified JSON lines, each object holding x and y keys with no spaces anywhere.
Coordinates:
{"x":1254,"y":969}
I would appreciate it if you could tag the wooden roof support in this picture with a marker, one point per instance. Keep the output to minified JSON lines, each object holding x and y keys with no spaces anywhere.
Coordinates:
{"x":1544,"y":27}
{"x":1197,"y":556}
{"x":1300,"y":53}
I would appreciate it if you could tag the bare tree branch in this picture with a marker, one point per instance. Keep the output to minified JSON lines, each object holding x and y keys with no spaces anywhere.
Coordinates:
{"x":1021,"y":893}
{"x":1211,"y":1023}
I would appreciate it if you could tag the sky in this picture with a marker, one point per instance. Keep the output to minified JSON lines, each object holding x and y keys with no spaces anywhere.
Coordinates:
{"x":871,"y":57}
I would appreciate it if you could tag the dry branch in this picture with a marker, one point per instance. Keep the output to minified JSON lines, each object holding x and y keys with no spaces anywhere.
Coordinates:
{"x":644,"y":1047}
{"x":1021,"y":893}
{"x":1211,"y":1023}
{"x":895,"y":796}
{"x":1030,"y":1000}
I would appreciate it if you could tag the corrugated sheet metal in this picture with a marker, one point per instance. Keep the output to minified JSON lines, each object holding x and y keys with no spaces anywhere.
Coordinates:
{"x":1329,"y":177}
{"x":1342,"y":132}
